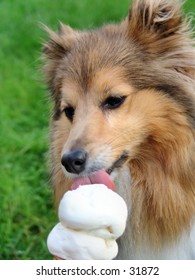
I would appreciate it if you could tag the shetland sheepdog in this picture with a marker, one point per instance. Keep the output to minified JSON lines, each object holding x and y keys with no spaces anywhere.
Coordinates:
{"x":124,"y":109}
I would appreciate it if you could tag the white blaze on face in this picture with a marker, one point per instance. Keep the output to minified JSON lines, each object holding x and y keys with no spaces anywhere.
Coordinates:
{"x":91,"y":218}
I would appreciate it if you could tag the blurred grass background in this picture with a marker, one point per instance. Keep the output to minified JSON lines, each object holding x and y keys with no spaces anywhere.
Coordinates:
{"x":26,"y":209}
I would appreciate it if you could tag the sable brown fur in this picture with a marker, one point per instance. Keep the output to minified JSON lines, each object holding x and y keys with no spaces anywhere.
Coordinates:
{"x":163,"y":172}
{"x":152,"y":52}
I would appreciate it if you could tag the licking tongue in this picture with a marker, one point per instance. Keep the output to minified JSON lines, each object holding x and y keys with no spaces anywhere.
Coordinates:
{"x":99,"y":177}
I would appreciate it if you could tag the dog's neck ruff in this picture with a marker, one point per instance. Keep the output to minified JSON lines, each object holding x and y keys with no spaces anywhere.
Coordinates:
{"x":182,"y":249}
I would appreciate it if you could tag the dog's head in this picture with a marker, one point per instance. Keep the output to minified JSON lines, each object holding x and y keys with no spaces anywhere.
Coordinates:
{"x":120,"y":91}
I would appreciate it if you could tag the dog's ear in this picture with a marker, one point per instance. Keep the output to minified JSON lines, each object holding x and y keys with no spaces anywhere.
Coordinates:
{"x":156,"y":25}
{"x":54,"y":50}
{"x":59,"y":43}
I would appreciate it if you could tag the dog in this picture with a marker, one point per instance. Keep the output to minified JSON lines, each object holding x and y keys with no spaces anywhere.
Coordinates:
{"x":124,"y":103}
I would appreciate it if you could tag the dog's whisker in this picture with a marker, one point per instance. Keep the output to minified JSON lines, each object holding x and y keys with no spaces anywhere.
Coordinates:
{"x":112,"y":140}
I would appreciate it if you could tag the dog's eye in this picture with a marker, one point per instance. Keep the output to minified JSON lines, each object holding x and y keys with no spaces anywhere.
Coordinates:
{"x":113,"y":102}
{"x":69,"y":112}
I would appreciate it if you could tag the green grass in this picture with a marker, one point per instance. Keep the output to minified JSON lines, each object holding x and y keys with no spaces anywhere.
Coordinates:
{"x":26,"y":213}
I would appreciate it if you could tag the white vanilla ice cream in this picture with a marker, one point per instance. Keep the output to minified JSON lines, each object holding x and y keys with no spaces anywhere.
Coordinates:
{"x":91,"y":218}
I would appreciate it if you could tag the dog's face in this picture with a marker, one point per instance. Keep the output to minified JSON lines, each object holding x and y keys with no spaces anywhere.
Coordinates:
{"x":95,"y":120}
{"x":101,"y":124}
{"x":102,"y":118}
{"x":104,"y":126}
{"x":112,"y":91}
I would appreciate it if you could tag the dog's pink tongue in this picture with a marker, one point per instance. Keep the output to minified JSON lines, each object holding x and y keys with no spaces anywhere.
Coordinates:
{"x":100,"y":177}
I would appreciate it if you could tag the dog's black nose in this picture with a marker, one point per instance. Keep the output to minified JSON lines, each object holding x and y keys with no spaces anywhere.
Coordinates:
{"x":74,"y":161}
